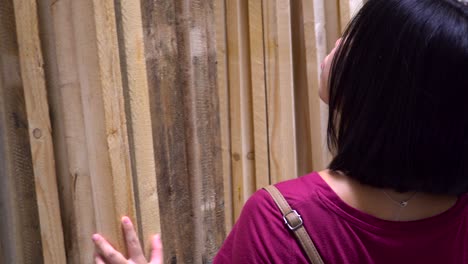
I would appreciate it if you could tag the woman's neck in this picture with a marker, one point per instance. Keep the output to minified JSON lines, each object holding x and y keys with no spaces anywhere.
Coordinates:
{"x":383,"y":203}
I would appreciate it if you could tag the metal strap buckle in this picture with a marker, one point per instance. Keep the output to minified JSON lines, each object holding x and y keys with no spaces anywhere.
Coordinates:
{"x":293,"y":228}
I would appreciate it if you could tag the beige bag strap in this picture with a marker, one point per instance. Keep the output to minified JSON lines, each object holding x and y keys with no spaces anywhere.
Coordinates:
{"x":294,"y":222}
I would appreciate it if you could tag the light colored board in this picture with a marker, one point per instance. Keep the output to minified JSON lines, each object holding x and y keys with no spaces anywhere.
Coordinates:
{"x":91,"y":141}
{"x":223,"y":94}
{"x":302,"y":93}
{"x":331,"y":11}
{"x":20,"y":237}
{"x":280,"y":90}
{"x":315,"y":40}
{"x":240,"y":95}
{"x":39,"y":130}
{"x":141,"y":140}
{"x":70,"y":143}
{"x":348,"y":8}
{"x":345,"y":14}
{"x":105,"y":122}
{"x":257,"y":76}
{"x":330,"y":16}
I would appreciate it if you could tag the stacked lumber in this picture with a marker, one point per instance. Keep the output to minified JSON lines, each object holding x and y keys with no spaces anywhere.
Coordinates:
{"x":269,"y":56}
{"x":98,"y":96}
{"x":172,"y":112}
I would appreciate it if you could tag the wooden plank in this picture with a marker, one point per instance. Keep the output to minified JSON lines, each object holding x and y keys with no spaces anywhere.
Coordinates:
{"x":138,"y":111}
{"x":257,"y":78}
{"x":345,"y":14}
{"x":302,"y":93}
{"x":202,"y":106}
{"x":348,"y":9}
{"x":313,"y":52}
{"x":240,"y":95}
{"x":166,"y":101}
{"x":186,"y":132}
{"x":20,"y":237}
{"x":87,"y":102}
{"x":223,"y":94}
{"x":73,"y":172}
{"x":280,"y":90}
{"x":331,"y":11}
{"x":40,"y":133}
{"x":105,"y":123}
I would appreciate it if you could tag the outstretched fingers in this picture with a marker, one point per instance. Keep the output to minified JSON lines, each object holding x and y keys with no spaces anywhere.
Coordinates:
{"x":156,"y":250}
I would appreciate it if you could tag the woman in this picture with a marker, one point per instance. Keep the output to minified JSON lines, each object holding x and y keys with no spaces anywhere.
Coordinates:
{"x":395,"y":191}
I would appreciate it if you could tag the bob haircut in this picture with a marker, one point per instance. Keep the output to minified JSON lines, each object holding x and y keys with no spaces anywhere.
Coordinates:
{"x":398,"y":100}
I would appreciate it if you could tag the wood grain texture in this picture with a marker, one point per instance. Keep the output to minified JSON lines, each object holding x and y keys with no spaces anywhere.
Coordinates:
{"x":105,"y":122}
{"x":159,"y":24}
{"x":205,"y":125}
{"x":313,"y":35}
{"x":136,"y":93}
{"x":181,"y":63}
{"x":259,"y":101}
{"x":240,"y":95}
{"x":64,"y":91}
{"x":223,"y":94}
{"x":20,"y":234}
{"x":95,"y":177}
{"x":40,"y":133}
{"x":191,"y":104}
{"x":280,"y":90}
{"x":302,"y":93}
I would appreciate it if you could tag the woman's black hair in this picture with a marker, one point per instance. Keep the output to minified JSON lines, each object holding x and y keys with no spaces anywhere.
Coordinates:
{"x":398,"y":100}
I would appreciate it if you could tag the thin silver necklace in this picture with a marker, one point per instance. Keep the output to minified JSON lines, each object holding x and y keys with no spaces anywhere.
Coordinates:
{"x":401,"y":204}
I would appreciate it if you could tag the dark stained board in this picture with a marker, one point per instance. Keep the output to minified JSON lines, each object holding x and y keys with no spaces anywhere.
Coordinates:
{"x":181,"y":64}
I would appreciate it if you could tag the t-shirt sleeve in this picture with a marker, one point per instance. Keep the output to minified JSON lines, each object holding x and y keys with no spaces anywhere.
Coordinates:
{"x":259,"y":235}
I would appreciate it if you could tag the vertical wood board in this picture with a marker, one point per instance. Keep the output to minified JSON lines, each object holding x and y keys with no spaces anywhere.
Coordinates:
{"x":105,"y":122}
{"x":302,"y":93}
{"x":20,"y":237}
{"x":259,"y":102}
{"x":223,"y":95}
{"x":39,"y":131}
{"x":315,"y":48}
{"x":170,"y":143}
{"x":138,"y":113}
{"x":280,"y":90}
{"x":240,"y":94}
{"x":73,"y":172}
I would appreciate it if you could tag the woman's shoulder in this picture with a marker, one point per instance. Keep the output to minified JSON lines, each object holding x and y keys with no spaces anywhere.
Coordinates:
{"x":260,"y":233}
{"x":294,"y":190}
{"x":302,"y":189}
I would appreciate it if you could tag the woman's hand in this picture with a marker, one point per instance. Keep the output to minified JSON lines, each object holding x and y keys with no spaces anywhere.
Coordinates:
{"x":106,"y":254}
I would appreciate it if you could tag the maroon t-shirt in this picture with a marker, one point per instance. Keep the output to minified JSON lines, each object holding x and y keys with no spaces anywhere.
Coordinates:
{"x":341,"y":233}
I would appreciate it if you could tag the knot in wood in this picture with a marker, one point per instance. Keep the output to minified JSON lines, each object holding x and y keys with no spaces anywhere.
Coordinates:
{"x":37,"y":133}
